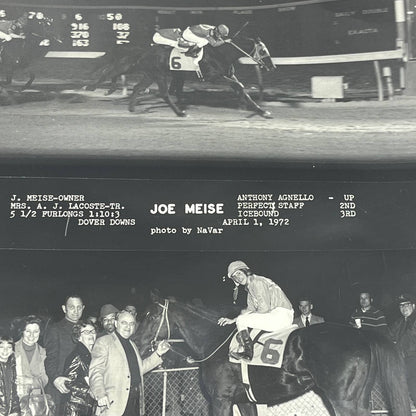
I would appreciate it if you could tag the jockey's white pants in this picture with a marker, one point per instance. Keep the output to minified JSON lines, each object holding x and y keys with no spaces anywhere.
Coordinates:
{"x":157,"y":38}
{"x":275,"y":320}
{"x":5,"y":36}
{"x":190,"y":37}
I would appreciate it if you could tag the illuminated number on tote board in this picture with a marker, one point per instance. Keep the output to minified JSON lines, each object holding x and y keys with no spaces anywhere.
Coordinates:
{"x":270,"y":355}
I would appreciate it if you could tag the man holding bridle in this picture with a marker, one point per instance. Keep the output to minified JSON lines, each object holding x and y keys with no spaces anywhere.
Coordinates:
{"x":268,"y":308}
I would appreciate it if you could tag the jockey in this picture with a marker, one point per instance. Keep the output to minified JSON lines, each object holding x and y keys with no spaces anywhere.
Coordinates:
{"x":268,"y":308}
{"x":11,"y":30}
{"x":201,"y":35}
{"x":170,"y":37}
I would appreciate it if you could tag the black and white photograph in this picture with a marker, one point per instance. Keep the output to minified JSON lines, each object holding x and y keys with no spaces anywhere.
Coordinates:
{"x":207,"y":208}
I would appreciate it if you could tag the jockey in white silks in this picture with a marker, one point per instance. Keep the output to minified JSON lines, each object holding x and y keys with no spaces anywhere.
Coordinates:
{"x":202,"y":35}
{"x":170,"y":37}
{"x":11,"y":29}
{"x":268,"y":308}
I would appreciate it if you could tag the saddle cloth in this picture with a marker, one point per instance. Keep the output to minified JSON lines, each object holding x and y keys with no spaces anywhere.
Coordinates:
{"x":178,"y":61}
{"x":268,"y":347}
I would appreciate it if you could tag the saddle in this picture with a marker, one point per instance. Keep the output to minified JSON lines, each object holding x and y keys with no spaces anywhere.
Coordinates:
{"x":268,"y":347}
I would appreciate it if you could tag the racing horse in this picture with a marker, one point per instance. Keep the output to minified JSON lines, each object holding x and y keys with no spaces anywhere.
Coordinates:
{"x":18,"y":54}
{"x":338,"y":362}
{"x":216,"y":64}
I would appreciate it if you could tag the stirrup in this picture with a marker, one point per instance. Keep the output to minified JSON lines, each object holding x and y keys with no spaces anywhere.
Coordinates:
{"x":240,"y":355}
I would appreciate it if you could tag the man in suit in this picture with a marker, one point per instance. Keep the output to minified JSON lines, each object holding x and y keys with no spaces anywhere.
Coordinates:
{"x":116,"y":370}
{"x":58,"y":344}
{"x":306,"y":318}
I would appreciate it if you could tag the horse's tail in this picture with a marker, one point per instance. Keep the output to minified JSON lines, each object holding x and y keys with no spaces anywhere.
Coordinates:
{"x":392,"y":374}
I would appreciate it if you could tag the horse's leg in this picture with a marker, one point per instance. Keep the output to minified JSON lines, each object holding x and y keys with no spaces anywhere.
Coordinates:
{"x":29,"y":82}
{"x":162,"y":82}
{"x":238,"y":87}
{"x":343,"y":407}
{"x":247,"y":409}
{"x":9,"y":97}
{"x":113,"y":86}
{"x":176,"y":85}
{"x":144,"y":83}
{"x":221,"y":406}
{"x":109,"y":72}
{"x":9,"y":78}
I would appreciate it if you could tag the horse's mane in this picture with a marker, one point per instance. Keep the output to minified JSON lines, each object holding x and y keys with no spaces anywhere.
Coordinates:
{"x":212,"y":313}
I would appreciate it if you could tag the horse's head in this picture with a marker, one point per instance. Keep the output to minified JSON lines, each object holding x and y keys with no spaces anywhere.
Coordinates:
{"x":262,"y":55}
{"x":196,"y":325}
{"x":154,"y":325}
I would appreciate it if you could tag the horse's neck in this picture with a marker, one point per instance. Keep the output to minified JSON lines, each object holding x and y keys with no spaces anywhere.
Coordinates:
{"x":229,"y":53}
{"x":200,"y":332}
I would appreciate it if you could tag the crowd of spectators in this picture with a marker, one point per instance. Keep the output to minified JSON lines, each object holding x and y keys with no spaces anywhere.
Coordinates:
{"x":69,"y":369}
{"x":367,"y":317}
{"x":71,"y":361}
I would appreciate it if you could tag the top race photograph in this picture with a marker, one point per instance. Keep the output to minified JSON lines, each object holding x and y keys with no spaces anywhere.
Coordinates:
{"x":311,"y":81}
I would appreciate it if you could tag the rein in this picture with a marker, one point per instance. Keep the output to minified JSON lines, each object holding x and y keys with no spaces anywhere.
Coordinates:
{"x":189,"y":359}
{"x":192,"y":360}
{"x":257,"y":61}
{"x":243,"y":52}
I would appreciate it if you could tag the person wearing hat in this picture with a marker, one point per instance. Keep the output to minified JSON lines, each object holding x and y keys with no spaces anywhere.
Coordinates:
{"x":403,"y":332}
{"x":107,"y":319}
{"x":268,"y":308}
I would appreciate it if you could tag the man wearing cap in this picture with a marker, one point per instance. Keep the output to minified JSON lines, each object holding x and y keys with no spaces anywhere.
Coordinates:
{"x":107,"y":319}
{"x":268,"y":308}
{"x":403,"y":332}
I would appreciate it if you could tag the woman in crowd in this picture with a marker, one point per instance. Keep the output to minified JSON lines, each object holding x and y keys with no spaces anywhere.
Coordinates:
{"x":9,"y":400}
{"x":77,"y":364}
{"x":30,"y":358}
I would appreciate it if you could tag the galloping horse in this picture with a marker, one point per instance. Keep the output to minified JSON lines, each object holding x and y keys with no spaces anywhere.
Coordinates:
{"x":216,"y":64}
{"x":339,"y":362}
{"x":20,"y":53}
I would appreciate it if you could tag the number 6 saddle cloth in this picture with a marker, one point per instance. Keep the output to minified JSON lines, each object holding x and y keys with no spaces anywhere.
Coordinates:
{"x":268,"y":347}
{"x":178,"y":61}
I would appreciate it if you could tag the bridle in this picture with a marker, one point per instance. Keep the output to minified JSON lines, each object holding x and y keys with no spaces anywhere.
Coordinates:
{"x":254,"y":53}
{"x":165,"y":319}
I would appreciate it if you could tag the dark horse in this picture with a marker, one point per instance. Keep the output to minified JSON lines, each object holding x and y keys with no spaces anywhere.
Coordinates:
{"x":216,"y":64}
{"x":18,"y":54}
{"x":339,"y":362}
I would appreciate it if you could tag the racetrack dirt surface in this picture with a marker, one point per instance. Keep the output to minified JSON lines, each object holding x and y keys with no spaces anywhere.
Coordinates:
{"x":57,"y":119}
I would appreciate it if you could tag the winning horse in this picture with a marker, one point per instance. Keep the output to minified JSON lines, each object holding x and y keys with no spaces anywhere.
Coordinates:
{"x":18,"y":54}
{"x":216,"y":64}
{"x":339,"y":362}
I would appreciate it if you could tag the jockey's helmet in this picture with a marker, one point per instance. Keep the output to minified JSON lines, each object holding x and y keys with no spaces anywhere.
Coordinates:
{"x":234,"y":266}
{"x":223,"y":30}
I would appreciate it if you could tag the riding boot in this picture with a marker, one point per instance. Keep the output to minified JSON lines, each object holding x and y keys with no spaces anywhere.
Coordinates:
{"x":193,"y":51}
{"x":243,"y":337}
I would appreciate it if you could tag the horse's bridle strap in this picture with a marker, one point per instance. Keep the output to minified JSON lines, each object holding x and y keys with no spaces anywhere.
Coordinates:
{"x":164,"y":318}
